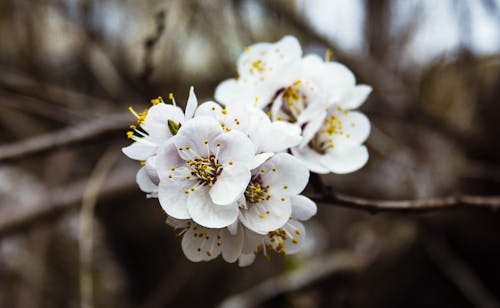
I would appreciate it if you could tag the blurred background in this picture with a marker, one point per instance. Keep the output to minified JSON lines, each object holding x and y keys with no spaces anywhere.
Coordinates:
{"x":76,"y":231}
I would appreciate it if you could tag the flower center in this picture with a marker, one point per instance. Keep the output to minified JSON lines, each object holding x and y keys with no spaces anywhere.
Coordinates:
{"x":294,"y":102}
{"x":255,"y":192}
{"x":323,"y":141}
{"x":206,"y":169}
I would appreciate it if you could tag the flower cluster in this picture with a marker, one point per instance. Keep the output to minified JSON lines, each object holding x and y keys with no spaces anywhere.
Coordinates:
{"x":230,"y":175}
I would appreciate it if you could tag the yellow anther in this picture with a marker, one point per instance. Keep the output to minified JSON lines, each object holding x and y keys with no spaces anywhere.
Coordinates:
{"x":294,"y":240}
{"x":297,"y":231}
{"x":261,"y":216}
{"x":283,"y":199}
{"x":274,"y":169}
{"x":230,"y":162}
{"x":170,"y":96}
{"x":285,"y":187}
{"x":186,"y":191}
{"x":297,"y":82}
{"x":205,"y":141}
{"x":142,"y":162}
{"x":224,"y":111}
{"x":130,"y":134}
{"x":328,"y":55}
{"x":133,"y":127}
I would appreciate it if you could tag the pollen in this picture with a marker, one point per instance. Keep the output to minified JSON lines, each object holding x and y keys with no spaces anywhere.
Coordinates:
{"x":130,"y":134}
{"x":224,"y":111}
{"x":297,"y":231}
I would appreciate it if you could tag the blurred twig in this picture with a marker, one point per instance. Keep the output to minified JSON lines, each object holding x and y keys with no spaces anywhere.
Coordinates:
{"x":459,"y":274}
{"x":70,"y":135}
{"x":90,"y":194}
{"x":370,"y":247}
{"x":149,"y":45}
{"x":60,"y":200}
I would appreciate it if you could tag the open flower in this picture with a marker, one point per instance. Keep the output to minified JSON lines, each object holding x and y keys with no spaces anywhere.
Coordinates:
{"x":203,"y":171}
{"x":337,"y":145}
{"x":308,"y":93}
{"x":204,"y":244}
{"x":262,"y":69}
{"x":286,"y":240}
{"x":155,"y":126}
{"x":266,"y":135}
{"x":267,"y":202}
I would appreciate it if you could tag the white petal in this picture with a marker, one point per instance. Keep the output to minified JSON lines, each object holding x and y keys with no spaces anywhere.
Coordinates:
{"x":140,"y":150}
{"x":285,"y":174}
{"x":194,"y":133}
{"x":208,"y":214}
{"x":246,"y":259}
{"x":209,"y":109}
{"x":355,"y":130}
{"x":310,"y":158}
{"x":233,"y":228}
{"x":335,"y":79}
{"x":231,"y":245}
{"x":346,"y":161}
{"x":251,"y":241}
{"x":297,"y":230}
{"x":144,"y":181}
{"x":355,"y":97}
{"x":173,"y":199}
{"x":259,"y":159}
{"x":201,"y":248}
{"x":303,"y":208}
{"x":231,"y":92}
{"x":156,"y":122}
{"x":230,"y":184}
{"x":277,"y":137}
{"x":312,"y":128}
{"x":235,"y":147}
{"x":151,"y":171}
{"x":168,"y":158}
{"x":266,"y":216}
{"x":191,"y":104}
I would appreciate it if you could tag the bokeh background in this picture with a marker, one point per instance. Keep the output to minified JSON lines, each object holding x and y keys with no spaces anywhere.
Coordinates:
{"x":76,"y":231}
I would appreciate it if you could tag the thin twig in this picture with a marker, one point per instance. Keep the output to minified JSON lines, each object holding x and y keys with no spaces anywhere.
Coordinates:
{"x":327,"y":196}
{"x":382,"y":245}
{"x":73,"y":134}
{"x":86,"y":236}
{"x":60,"y":201}
{"x":459,"y":274}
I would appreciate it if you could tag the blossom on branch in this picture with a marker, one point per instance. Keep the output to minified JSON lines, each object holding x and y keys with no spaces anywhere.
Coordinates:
{"x":230,"y":177}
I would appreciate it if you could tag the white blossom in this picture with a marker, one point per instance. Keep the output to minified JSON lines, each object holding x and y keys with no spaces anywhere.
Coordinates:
{"x":266,"y":135}
{"x":314,"y":95}
{"x":155,"y":126}
{"x":287,"y":240}
{"x":203,"y":171}
{"x":204,"y":244}
{"x":267,"y":202}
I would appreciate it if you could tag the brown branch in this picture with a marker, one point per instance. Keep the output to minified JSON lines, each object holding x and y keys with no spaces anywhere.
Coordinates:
{"x":459,"y":273}
{"x":60,"y":200}
{"x":383,"y":245}
{"x":326,"y":195}
{"x":77,"y":133}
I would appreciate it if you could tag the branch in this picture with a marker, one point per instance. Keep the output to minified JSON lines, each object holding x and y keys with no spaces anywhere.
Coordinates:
{"x":72,"y":134}
{"x":460,"y":201}
{"x":459,"y":273}
{"x":63,"y":199}
{"x":382,"y":245}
